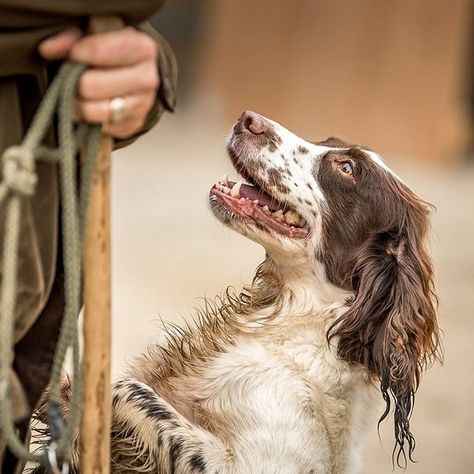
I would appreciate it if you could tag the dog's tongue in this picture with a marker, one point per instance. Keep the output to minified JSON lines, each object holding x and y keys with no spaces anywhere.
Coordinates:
{"x":253,"y":193}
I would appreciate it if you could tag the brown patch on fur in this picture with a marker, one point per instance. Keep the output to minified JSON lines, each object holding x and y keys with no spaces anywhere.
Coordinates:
{"x":274,"y":176}
{"x":335,"y":142}
{"x":374,"y":233}
{"x":283,"y":189}
{"x":303,"y":150}
{"x":275,"y":179}
{"x":273,"y":140}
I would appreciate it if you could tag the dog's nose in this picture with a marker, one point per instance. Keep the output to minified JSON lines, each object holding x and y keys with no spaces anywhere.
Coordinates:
{"x":253,"y":122}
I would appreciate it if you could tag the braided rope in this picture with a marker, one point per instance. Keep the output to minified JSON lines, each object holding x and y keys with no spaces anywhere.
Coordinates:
{"x":19,"y":181}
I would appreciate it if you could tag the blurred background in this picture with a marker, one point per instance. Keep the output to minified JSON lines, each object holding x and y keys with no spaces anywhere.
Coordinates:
{"x":397,"y":76}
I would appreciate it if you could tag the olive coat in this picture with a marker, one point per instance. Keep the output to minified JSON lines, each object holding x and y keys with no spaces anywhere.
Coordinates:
{"x":24,"y":77}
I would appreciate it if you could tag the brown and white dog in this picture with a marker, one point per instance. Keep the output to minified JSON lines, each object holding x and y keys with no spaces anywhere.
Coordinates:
{"x":280,"y":378}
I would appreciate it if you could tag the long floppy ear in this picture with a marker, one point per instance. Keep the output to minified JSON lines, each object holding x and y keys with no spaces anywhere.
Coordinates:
{"x":391,"y":326}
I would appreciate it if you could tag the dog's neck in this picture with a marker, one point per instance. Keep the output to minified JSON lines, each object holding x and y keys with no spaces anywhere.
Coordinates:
{"x":303,"y":287}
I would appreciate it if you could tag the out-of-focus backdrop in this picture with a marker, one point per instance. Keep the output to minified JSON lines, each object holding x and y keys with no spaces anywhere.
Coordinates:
{"x":396,"y":76}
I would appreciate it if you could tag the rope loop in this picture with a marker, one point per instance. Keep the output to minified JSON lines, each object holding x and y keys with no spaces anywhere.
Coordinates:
{"x":53,"y":461}
{"x":19,"y":171}
{"x":20,"y":179}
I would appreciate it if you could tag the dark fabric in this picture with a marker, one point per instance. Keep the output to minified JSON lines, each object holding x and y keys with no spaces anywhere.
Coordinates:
{"x":34,"y":372}
{"x":10,"y":464}
{"x":38,"y":233}
{"x":24,"y":23}
{"x":40,"y":340}
{"x":23,"y":80}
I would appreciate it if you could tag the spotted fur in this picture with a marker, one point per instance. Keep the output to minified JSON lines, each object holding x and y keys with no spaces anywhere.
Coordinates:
{"x":280,"y":378}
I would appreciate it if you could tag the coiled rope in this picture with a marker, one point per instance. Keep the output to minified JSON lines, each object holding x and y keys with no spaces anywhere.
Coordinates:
{"x":19,"y":183}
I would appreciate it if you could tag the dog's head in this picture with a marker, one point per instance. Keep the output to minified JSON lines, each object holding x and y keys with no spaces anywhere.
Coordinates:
{"x":339,"y":206}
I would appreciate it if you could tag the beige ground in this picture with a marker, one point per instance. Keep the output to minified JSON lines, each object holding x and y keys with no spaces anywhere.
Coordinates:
{"x":169,"y":251}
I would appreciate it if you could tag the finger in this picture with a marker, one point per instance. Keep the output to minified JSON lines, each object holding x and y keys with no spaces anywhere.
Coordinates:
{"x":137,"y":107}
{"x":58,"y":46}
{"x":96,"y":84}
{"x":123,"y":129}
{"x":115,"y":48}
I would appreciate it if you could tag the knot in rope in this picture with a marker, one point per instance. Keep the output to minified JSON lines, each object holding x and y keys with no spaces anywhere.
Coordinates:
{"x":18,"y":170}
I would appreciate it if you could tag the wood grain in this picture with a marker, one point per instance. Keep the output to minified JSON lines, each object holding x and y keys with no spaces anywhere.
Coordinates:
{"x":96,"y":415}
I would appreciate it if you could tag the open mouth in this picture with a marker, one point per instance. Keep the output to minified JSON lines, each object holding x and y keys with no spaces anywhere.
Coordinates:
{"x":251,"y":202}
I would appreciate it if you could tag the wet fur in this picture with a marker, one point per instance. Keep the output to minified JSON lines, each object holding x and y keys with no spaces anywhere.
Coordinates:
{"x":280,"y":378}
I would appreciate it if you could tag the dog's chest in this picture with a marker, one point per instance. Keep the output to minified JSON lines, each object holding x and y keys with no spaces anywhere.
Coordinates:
{"x":287,"y":404}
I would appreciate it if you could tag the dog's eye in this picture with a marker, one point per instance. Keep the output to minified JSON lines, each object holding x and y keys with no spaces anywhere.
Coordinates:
{"x":346,"y":167}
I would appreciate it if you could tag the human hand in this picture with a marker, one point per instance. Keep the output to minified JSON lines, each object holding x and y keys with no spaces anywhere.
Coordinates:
{"x":123,"y":64}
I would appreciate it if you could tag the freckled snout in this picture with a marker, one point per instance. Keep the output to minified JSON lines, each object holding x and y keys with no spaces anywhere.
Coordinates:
{"x":251,"y":122}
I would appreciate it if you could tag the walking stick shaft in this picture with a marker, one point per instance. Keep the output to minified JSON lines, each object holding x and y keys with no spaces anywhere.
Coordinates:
{"x":95,"y":424}
{"x":96,"y":416}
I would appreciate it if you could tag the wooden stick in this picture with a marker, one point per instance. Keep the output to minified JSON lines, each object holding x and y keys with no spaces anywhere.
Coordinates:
{"x":96,"y":397}
{"x":96,"y":401}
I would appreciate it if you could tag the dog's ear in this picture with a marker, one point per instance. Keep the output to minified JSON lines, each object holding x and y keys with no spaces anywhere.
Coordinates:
{"x":391,"y":326}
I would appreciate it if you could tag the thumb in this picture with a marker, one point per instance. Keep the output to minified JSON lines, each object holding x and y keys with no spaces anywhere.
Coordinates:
{"x":59,"y":45}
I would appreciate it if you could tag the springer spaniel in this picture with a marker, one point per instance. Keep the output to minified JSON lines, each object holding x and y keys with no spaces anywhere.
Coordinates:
{"x":280,"y":378}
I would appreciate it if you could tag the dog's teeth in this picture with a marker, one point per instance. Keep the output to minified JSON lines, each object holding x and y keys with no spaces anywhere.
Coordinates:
{"x":235,"y":192}
{"x":255,"y":201}
{"x":278,"y":214}
{"x":265,"y":208}
{"x":223,"y":180}
{"x":292,"y":218}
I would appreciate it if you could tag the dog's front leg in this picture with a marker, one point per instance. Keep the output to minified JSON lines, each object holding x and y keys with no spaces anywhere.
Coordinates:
{"x":149,"y":435}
